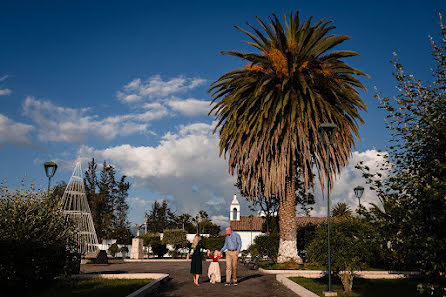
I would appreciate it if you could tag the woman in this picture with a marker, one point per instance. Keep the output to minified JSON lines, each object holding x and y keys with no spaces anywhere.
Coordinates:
{"x":196,"y":250}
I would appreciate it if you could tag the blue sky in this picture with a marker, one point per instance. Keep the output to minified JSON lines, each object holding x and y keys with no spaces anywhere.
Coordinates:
{"x":127,"y":82}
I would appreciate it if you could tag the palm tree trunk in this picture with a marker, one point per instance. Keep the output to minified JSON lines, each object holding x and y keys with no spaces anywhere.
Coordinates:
{"x":287,"y":223}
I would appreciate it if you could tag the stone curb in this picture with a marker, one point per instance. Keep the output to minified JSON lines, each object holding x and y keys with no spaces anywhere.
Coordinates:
{"x":141,"y":292}
{"x":147,"y":289}
{"x":298,"y":289}
{"x":362,"y":274}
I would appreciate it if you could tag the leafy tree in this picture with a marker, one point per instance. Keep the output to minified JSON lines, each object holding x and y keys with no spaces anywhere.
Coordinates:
{"x":175,"y":237}
{"x":352,"y":247}
{"x":341,"y":210}
{"x":412,"y":183}
{"x":160,"y":217}
{"x":269,"y":113}
{"x":266,"y":245}
{"x":124,"y":251}
{"x":108,"y":202}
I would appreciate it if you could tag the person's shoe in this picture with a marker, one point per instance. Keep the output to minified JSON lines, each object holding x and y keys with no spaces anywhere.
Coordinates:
{"x":227,"y":284}
{"x":235,"y":283}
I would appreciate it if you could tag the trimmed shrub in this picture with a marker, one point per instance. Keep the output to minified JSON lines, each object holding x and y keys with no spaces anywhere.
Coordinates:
{"x":175,"y":237}
{"x":158,"y":248}
{"x":266,"y":245}
{"x":148,"y":238}
{"x":35,"y":239}
{"x":213,"y":243}
{"x":124,"y":251}
{"x":113,"y":249}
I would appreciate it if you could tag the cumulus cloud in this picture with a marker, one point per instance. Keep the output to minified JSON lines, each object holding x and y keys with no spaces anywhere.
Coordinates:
{"x":221,"y":220}
{"x":349,"y":178}
{"x":190,"y":107}
{"x":66,"y":124}
{"x":155,"y":88}
{"x":14,"y":133}
{"x":184,"y":166}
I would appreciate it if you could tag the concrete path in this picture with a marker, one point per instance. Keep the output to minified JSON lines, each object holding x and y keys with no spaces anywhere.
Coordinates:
{"x":251,"y":282}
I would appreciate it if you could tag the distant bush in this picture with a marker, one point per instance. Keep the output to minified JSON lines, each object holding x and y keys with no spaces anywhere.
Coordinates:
{"x":213,"y":243}
{"x":266,"y":245}
{"x":158,"y":248}
{"x":35,"y":239}
{"x":148,"y":238}
{"x":113,"y":249}
{"x":124,"y":250}
{"x":175,"y":237}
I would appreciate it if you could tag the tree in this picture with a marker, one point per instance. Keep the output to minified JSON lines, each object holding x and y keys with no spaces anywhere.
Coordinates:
{"x":108,"y":202}
{"x":269,"y":113}
{"x":160,"y":217}
{"x":352,"y":247}
{"x":175,"y":237}
{"x":341,"y":210}
{"x":412,"y":183}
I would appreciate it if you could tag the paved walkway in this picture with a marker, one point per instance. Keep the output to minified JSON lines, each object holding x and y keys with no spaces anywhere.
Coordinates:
{"x":251,"y":282}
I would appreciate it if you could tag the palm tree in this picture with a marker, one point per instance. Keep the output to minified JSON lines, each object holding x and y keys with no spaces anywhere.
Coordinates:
{"x":269,"y":112}
{"x":341,"y":210}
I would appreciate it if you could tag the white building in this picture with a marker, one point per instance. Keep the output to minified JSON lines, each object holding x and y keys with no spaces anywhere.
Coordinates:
{"x":249,"y":227}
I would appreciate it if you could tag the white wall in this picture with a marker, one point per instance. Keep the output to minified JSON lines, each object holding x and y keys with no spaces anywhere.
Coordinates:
{"x":246,"y":237}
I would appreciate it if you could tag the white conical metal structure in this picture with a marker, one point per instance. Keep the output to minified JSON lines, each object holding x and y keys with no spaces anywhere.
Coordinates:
{"x":75,"y":207}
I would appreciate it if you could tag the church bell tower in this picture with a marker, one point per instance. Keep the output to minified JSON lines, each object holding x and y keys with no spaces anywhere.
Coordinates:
{"x":234,"y":209}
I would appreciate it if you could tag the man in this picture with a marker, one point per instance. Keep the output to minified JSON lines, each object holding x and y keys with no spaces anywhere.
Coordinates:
{"x":232,"y":246}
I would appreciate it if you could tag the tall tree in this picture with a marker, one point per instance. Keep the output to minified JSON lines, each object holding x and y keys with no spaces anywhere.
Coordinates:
{"x":269,"y":113}
{"x":413,"y":191}
{"x":108,"y":202}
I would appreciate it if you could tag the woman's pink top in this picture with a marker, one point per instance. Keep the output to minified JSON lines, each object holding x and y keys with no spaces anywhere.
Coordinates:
{"x":214,"y":258}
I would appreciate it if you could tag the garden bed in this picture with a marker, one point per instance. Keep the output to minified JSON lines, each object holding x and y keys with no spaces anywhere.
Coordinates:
{"x":362,"y":287}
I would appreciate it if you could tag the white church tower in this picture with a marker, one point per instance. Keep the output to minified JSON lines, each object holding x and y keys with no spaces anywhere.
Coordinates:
{"x":234,"y":209}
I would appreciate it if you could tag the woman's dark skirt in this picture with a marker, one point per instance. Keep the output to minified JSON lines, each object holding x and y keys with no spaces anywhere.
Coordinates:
{"x":195,"y":265}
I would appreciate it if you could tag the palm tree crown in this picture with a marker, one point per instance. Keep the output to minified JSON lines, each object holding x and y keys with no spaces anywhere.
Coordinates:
{"x":269,"y":111}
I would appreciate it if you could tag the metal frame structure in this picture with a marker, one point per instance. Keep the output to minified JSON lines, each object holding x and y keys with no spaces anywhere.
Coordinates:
{"x":75,"y":207}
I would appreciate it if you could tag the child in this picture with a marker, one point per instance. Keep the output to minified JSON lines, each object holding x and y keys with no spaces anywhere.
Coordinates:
{"x":214,"y":268}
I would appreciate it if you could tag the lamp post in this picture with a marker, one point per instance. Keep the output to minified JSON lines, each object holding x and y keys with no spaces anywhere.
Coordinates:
{"x":50,"y":170}
{"x":358,"y":193}
{"x":327,"y":132}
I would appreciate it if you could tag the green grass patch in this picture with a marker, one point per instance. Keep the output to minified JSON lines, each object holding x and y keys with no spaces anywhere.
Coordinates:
{"x":91,"y":287}
{"x":290,"y":266}
{"x":362,"y":287}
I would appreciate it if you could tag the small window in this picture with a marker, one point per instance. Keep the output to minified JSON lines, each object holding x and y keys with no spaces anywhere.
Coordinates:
{"x":234,"y":214}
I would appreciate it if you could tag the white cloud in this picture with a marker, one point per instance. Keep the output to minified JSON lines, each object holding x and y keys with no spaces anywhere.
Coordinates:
{"x":5,"y":92}
{"x":220,"y":220}
{"x":349,"y":178}
{"x":14,"y":133}
{"x":182,"y":159}
{"x":190,"y":107}
{"x":156,"y":87}
{"x":66,"y":124}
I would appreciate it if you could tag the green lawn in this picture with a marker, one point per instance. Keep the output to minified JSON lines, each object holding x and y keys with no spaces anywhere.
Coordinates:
{"x":363,"y":287}
{"x":92,"y":287}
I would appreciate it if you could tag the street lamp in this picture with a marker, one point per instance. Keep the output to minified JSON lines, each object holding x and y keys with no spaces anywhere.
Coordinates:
{"x":358,"y":193}
{"x":50,"y":170}
{"x":327,"y":132}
